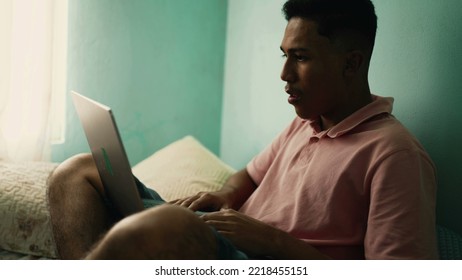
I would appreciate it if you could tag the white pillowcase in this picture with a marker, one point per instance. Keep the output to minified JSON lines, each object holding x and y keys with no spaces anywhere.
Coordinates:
{"x":181,"y":169}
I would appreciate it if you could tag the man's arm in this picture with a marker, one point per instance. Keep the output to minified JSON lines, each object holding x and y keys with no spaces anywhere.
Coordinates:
{"x":401,"y":223}
{"x":238,"y":189}
{"x":258,"y":239}
{"x":250,"y":235}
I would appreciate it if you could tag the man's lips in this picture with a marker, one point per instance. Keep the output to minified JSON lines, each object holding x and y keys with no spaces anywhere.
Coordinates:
{"x":294,"y":95}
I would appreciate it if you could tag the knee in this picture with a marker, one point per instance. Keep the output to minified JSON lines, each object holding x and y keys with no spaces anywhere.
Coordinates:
{"x":76,"y":168}
{"x":77,"y":164}
{"x":164,"y":232}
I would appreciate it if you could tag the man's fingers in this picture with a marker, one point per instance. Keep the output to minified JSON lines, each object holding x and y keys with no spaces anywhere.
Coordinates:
{"x":201,"y":201}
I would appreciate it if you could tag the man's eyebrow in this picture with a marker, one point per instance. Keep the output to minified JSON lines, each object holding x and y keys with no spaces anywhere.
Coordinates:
{"x":292,"y":50}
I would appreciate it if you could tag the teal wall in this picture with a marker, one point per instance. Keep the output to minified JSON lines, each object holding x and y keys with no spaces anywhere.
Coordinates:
{"x":255,"y":106}
{"x":417,"y":60}
{"x":158,"y":64}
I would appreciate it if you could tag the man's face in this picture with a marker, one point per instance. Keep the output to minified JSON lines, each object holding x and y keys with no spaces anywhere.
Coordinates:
{"x":313,"y":70}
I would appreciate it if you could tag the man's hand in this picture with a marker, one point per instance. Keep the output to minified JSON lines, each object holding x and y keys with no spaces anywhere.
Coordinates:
{"x":202,"y":201}
{"x":247,"y":234}
{"x":233,"y":194}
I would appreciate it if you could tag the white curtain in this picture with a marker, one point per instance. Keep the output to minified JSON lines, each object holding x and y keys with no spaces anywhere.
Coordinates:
{"x":27,"y":84}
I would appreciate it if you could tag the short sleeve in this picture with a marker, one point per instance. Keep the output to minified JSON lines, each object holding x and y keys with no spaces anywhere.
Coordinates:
{"x":401,"y":222}
{"x":260,"y":164}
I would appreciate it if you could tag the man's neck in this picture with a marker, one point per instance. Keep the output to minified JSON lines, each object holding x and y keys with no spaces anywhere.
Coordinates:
{"x":330,"y":120}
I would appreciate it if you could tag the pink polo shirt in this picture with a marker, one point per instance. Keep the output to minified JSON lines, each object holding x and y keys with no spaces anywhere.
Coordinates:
{"x":363,"y":189}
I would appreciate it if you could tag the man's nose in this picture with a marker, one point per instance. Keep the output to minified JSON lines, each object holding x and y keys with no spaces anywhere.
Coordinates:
{"x":287,"y":73}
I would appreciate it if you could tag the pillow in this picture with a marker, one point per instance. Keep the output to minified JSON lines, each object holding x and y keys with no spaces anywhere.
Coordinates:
{"x":24,"y":218}
{"x":181,"y":169}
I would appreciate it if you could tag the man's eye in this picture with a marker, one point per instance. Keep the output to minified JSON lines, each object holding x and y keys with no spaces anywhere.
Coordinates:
{"x":301,"y":58}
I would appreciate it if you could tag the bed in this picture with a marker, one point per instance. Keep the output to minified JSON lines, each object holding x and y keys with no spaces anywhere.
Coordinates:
{"x":182,"y":168}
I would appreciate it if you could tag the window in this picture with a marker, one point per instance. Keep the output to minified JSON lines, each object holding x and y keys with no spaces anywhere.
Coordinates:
{"x":33,"y":51}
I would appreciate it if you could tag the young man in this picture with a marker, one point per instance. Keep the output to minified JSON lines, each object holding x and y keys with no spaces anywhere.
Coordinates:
{"x":344,"y":180}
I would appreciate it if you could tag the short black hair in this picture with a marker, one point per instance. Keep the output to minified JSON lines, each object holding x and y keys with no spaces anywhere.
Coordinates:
{"x":334,"y":16}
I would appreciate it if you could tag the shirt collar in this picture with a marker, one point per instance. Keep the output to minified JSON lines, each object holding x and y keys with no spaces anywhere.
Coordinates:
{"x":379,"y":105}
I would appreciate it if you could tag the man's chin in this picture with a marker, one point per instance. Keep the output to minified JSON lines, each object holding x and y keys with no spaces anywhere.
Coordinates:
{"x":306,"y":115}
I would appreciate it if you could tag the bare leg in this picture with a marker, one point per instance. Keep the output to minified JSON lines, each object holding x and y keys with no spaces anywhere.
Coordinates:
{"x":163,"y":232}
{"x":78,"y":214}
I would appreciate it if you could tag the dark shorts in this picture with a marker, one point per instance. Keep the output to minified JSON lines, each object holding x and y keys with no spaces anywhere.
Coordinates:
{"x":226,"y":250}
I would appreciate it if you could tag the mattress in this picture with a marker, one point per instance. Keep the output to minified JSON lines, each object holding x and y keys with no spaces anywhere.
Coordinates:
{"x":24,"y":218}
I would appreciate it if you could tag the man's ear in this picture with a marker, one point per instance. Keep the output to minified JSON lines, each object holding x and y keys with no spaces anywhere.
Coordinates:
{"x":353,"y":63}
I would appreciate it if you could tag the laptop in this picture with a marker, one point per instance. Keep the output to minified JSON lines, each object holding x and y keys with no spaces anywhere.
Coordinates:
{"x":109,"y":154}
